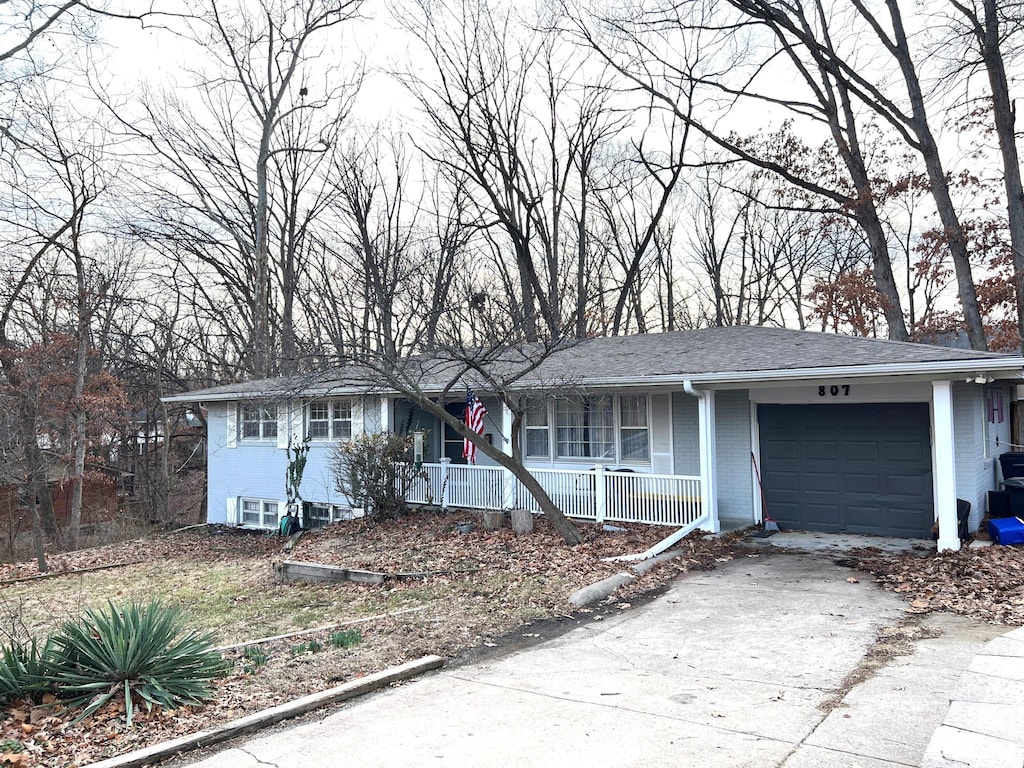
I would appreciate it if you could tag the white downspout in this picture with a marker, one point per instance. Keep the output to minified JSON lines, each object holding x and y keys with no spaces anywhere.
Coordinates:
{"x":709,"y":497}
{"x":708,"y":459}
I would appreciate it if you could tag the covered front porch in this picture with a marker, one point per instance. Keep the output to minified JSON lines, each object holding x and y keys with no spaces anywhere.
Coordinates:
{"x":598,"y":494}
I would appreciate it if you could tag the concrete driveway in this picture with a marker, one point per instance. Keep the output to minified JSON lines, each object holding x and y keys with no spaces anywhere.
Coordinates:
{"x":774,"y":659}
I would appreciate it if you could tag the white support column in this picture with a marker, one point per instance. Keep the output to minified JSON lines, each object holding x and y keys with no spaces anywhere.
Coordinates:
{"x":600,"y":493}
{"x":708,"y":460}
{"x":944,"y":465}
{"x":508,"y":495}
{"x":385,"y":414}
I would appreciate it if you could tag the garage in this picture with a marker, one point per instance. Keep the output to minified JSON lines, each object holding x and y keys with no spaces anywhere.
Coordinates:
{"x":860,"y":468}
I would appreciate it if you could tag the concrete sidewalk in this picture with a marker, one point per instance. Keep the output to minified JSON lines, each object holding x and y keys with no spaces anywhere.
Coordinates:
{"x":770,"y":660}
{"x":983,"y":726}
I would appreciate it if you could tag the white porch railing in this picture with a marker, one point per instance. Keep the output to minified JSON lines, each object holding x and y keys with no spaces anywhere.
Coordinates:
{"x":595,"y":494}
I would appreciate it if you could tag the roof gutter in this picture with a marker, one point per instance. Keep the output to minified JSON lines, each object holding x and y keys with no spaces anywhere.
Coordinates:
{"x":957,"y":369}
{"x":948,"y":368}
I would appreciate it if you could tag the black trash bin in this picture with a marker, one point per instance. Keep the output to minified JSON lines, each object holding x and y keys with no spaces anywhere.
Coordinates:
{"x":1012,"y":464}
{"x":1015,"y":487}
{"x":999,"y":504}
{"x":963,"y":519}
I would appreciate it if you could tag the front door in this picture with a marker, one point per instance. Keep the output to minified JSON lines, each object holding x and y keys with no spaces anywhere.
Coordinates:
{"x":453,"y":444}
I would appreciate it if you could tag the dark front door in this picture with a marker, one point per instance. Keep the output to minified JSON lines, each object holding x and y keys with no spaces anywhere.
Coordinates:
{"x":453,"y":440}
{"x":861,"y":468}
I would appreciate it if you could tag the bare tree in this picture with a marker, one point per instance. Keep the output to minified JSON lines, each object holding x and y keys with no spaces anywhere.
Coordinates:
{"x":520,"y":122}
{"x":695,"y":48}
{"x":987,"y":26}
{"x":240,"y":186}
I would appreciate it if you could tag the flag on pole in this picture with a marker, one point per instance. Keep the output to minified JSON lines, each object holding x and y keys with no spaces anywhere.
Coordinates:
{"x":475,"y":413}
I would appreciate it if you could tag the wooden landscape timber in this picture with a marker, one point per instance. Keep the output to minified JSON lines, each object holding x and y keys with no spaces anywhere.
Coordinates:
{"x":291,"y":570}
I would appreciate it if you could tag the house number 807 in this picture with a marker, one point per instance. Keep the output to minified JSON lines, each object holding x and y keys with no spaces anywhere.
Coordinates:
{"x":834,"y":390}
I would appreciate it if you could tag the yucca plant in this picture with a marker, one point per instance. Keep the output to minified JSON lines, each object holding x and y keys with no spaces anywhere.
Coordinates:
{"x":25,"y":670}
{"x":140,"y":650}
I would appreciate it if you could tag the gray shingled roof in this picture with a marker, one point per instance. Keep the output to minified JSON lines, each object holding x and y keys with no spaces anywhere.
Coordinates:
{"x":745,"y":348}
{"x":734,"y":353}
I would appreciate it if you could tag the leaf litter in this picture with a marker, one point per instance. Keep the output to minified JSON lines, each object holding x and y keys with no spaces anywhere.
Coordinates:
{"x":490,"y":590}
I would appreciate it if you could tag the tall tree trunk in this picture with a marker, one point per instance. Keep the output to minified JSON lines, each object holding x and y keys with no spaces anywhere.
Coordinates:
{"x":78,"y":435}
{"x":37,"y":520}
{"x":988,"y":35}
{"x":955,"y":237}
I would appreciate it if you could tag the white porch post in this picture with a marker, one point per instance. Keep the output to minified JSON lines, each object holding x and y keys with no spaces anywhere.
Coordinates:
{"x":385,"y":413}
{"x":944,"y":465}
{"x":600,"y":493}
{"x":508,"y":495}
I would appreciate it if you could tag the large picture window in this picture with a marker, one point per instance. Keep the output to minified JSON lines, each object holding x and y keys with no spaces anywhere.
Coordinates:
{"x":330,"y":420}
{"x":606,"y":428}
{"x":259,"y":422}
{"x":584,"y":428}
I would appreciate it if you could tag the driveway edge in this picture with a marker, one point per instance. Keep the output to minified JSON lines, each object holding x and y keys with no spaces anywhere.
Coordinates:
{"x":273,"y":715}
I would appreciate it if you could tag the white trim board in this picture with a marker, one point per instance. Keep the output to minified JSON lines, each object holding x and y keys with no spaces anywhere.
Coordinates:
{"x":839,"y":391}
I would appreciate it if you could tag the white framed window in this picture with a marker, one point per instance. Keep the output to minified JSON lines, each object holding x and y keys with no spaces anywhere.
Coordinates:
{"x":320,"y":514}
{"x":261,"y":513}
{"x":329,"y":420}
{"x":611,"y":428}
{"x":634,"y":433}
{"x":584,"y":428}
{"x":257,"y":422}
{"x":535,"y":425}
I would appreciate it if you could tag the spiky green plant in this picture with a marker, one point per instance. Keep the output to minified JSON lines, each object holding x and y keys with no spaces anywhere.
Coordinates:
{"x":255,"y":658}
{"x":25,"y":671}
{"x":135,"y":649}
{"x":346,"y":638}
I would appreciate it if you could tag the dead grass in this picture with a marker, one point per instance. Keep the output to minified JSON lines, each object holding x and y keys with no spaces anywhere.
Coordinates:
{"x":487,"y":586}
{"x":225,"y":581}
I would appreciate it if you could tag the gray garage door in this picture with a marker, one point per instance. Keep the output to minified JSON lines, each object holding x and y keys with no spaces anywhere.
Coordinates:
{"x":862,"y":468}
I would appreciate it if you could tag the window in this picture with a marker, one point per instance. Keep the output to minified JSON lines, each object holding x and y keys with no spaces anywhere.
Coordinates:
{"x":259,"y":512}
{"x":318,"y":515}
{"x":535,"y":419}
{"x":259,"y":422}
{"x":634,"y":444}
{"x":330,"y":420}
{"x":584,"y":428}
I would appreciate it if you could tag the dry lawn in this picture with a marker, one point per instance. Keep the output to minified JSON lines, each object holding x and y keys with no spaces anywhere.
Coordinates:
{"x":477,"y":591}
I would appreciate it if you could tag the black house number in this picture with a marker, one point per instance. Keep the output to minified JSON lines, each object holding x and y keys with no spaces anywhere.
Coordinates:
{"x":835,"y":390}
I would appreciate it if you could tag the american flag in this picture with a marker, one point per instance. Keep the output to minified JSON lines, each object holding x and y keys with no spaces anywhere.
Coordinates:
{"x":475,"y":413}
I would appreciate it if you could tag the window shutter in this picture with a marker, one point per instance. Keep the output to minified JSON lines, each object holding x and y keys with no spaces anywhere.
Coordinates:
{"x":283,"y":423}
{"x":232,"y":510}
{"x":357,"y":416}
{"x":232,"y":422}
{"x":298,"y":411}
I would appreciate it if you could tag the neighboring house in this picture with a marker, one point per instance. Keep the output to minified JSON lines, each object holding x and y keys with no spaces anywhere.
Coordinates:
{"x":101,"y":495}
{"x":690,"y":428}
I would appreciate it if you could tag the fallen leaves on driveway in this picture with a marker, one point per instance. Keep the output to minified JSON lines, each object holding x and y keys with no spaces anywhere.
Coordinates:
{"x":984,"y":583}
